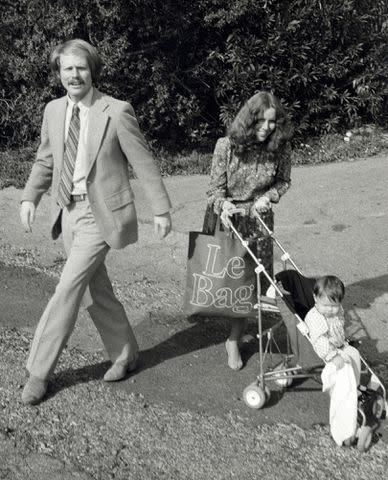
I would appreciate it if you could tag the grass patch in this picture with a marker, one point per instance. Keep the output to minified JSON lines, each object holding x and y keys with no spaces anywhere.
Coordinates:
{"x":15,"y":165}
{"x":192,"y":163}
{"x":363,"y":142}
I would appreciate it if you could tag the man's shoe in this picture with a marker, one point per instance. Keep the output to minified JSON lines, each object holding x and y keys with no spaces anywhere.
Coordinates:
{"x":34,"y":390}
{"x":119,"y":370}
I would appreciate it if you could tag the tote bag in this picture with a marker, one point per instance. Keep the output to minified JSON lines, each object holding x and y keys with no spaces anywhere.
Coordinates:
{"x":221,"y":278}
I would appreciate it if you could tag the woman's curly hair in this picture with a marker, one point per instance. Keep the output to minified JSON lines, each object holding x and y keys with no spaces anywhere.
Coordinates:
{"x":242,"y":131}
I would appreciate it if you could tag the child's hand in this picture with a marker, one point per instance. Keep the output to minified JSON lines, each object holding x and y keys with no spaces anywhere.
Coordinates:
{"x":338,"y":361}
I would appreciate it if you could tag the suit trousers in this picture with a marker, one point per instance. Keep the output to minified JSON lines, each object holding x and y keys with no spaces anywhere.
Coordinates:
{"x":84,"y":279}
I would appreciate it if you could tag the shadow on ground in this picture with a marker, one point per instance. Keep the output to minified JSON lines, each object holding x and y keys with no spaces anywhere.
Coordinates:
{"x":184,"y":362}
{"x":363,"y":299}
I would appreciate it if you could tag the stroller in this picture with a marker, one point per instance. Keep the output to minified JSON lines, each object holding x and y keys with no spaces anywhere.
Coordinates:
{"x":293,"y":294}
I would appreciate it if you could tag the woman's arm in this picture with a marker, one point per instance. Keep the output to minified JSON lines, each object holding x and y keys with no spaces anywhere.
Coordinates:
{"x":282,"y":180}
{"x":218,"y":177}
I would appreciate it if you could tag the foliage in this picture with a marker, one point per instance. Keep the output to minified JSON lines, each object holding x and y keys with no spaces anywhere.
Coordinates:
{"x":323,"y":58}
{"x":188,"y":66}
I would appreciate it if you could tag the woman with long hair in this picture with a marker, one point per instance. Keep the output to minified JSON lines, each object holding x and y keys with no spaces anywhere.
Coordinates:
{"x":250,"y":170}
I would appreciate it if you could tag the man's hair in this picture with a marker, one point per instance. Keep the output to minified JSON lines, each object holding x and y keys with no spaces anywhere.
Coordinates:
{"x":331,"y":286}
{"x":77,"y":46}
{"x":242,"y":131}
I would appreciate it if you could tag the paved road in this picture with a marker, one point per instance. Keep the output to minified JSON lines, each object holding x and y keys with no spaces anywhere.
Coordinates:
{"x":333,"y":220}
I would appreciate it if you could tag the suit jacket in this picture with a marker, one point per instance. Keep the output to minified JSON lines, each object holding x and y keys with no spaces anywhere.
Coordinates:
{"x":114,"y":139}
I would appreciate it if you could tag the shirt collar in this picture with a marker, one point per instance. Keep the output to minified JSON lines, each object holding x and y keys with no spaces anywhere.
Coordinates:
{"x":83,"y":104}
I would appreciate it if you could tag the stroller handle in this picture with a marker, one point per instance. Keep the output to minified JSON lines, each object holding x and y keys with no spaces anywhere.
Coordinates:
{"x":260,"y":267}
{"x":285,"y":257}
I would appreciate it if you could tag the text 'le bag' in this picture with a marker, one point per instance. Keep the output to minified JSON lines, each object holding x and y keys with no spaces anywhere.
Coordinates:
{"x":221,"y":278}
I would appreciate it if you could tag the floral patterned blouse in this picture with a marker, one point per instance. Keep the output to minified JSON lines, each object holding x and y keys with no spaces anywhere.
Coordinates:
{"x":244,"y":178}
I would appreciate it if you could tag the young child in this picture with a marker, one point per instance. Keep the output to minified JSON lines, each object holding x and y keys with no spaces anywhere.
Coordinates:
{"x":341,"y":374}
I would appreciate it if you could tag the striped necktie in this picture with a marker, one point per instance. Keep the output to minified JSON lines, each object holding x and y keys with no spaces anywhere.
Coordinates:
{"x":69,"y":156}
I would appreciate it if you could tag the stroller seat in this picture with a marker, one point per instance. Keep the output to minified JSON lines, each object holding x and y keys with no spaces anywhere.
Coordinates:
{"x":297,"y":300}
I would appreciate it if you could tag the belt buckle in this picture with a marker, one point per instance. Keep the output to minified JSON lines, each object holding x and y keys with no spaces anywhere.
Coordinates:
{"x":78,"y":197}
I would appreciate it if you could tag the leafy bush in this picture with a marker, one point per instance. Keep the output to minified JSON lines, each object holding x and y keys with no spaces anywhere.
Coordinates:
{"x":324,"y":59}
{"x":188,"y":66}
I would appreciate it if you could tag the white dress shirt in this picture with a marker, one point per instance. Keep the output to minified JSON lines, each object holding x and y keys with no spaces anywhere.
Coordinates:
{"x":79,"y":183}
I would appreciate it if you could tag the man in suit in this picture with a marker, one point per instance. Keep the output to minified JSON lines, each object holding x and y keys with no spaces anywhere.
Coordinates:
{"x":87,"y":140}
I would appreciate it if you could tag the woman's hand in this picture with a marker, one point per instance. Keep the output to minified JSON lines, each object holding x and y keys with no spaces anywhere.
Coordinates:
{"x":228,"y":208}
{"x":261,"y":205}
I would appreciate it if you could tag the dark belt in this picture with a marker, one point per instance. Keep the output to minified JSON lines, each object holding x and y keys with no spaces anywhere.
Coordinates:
{"x":78,"y":198}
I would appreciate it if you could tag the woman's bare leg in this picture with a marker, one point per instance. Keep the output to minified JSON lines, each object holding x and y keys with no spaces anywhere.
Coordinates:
{"x":232,"y":343}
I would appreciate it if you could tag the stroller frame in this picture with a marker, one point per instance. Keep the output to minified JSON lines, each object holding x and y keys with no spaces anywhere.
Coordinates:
{"x":372,"y":404}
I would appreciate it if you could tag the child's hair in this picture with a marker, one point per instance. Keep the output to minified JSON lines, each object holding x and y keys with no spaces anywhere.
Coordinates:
{"x":331,"y":286}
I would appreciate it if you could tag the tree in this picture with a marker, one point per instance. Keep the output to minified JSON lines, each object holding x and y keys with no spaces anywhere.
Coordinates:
{"x":188,"y":66}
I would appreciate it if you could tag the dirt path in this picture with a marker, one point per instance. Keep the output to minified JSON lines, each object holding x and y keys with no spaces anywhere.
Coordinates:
{"x":334,"y":219}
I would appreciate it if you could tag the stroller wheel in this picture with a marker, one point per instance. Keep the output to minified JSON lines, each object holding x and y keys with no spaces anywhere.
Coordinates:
{"x":364,"y":438}
{"x":254,"y":396}
{"x":283,"y":379}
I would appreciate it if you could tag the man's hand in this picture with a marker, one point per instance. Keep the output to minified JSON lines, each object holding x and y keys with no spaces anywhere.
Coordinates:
{"x":27,"y":215}
{"x":162,"y":225}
